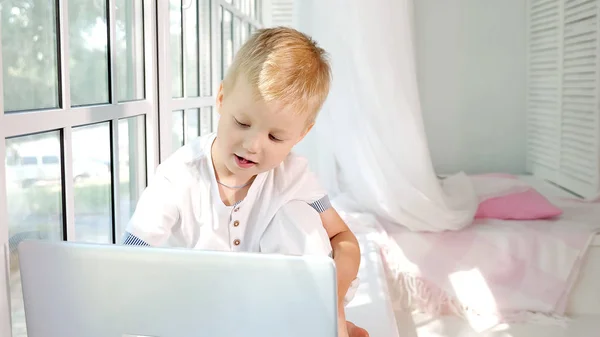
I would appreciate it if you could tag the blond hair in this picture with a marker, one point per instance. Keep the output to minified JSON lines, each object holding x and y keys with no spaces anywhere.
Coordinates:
{"x":285,"y":66}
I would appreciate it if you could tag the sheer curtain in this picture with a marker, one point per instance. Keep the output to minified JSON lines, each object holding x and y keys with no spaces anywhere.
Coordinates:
{"x":369,"y":146}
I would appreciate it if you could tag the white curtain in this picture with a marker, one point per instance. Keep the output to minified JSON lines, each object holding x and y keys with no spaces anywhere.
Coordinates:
{"x":369,"y":146}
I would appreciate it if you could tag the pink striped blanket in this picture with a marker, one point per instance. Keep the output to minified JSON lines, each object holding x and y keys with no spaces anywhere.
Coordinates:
{"x":491,"y":272}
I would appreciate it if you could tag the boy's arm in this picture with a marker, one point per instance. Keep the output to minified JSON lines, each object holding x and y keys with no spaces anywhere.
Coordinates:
{"x":155,"y":214}
{"x":346,"y":252}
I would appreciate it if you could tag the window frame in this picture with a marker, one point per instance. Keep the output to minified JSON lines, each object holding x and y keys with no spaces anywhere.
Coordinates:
{"x":5,"y":307}
{"x":65,"y":118}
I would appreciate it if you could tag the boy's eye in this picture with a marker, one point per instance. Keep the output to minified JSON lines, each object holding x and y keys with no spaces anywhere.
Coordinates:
{"x":275,"y":139}
{"x":241,"y":124}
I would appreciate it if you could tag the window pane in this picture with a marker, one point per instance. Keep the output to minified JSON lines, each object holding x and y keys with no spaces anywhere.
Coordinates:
{"x":51,"y":160}
{"x":191,"y":48}
{"x":244,"y":6}
{"x":205,"y":49}
{"x":88,"y":64}
{"x":254,"y":9}
{"x":249,"y":29}
{"x":226,"y":41}
{"x":237,"y":34}
{"x":130,"y":50}
{"x":192,"y":127}
{"x":177,"y":130}
{"x":34,"y":191}
{"x":206,"y":120}
{"x":132,"y":167}
{"x":176,"y":48}
{"x":245,"y":31}
{"x":92,"y":183}
{"x":29,"y":56}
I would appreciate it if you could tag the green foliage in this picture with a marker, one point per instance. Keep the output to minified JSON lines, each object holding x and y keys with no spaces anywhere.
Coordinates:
{"x":29,"y":54}
{"x":31,"y":59}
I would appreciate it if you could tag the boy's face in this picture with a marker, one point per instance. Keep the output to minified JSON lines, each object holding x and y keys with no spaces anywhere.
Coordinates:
{"x":254,"y":136}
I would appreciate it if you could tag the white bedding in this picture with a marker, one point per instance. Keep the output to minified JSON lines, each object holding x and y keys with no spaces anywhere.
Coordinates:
{"x":583,"y":305}
{"x":585,"y":296}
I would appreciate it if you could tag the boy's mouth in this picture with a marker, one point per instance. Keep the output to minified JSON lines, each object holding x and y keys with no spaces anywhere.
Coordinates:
{"x":243,"y":162}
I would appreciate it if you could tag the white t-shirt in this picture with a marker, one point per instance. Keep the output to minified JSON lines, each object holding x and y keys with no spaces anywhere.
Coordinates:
{"x":181,"y":206}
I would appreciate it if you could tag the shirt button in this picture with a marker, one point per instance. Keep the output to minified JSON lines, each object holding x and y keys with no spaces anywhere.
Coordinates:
{"x":236,"y":223}
{"x":236,"y":209}
{"x":236,"y":242}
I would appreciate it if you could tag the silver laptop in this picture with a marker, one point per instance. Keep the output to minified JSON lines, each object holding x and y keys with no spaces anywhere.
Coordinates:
{"x":77,"y":290}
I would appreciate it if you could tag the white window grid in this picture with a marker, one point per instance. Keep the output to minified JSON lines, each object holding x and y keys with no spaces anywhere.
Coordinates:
{"x":157,"y":108}
{"x":167,"y":104}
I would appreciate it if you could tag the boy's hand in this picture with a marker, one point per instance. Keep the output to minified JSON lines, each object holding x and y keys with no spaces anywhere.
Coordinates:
{"x":348,"y":329}
{"x":354,"y":331}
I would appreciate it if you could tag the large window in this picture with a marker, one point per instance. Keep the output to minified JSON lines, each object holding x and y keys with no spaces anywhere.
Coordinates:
{"x":77,"y":130}
{"x":81,"y":126}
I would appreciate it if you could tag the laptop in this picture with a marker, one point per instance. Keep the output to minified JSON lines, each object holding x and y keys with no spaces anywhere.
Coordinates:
{"x":93,"y":290}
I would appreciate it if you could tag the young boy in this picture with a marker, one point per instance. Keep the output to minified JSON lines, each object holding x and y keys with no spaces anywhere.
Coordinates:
{"x":241,"y":189}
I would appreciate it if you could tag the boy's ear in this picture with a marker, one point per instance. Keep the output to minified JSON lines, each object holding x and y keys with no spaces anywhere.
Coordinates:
{"x":220,"y":98}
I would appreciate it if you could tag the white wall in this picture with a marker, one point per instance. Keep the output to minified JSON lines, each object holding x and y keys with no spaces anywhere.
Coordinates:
{"x":471,"y":70}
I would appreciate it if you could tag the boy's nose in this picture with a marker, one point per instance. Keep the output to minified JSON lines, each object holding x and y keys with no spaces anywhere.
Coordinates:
{"x":252,"y":144}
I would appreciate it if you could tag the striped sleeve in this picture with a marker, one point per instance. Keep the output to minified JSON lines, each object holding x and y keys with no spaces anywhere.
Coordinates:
{"x":322,"y":204}
{"x":132,"y":240}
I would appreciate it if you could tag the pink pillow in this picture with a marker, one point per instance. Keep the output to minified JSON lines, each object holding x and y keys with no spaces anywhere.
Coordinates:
{"x":527,"y":205}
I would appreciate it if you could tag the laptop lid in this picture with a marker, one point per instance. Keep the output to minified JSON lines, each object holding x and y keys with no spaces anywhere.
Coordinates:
{"x":75,"y":289}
